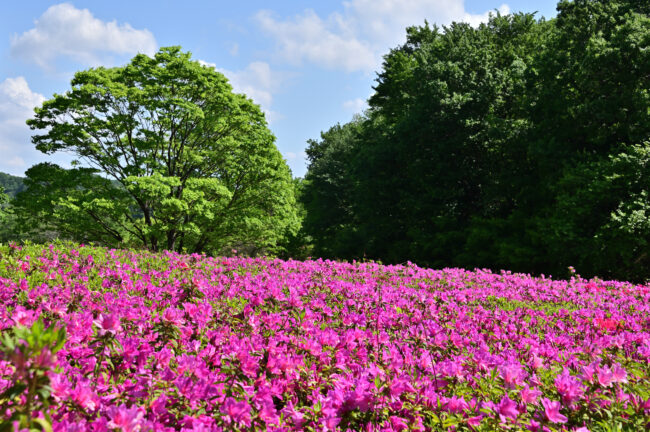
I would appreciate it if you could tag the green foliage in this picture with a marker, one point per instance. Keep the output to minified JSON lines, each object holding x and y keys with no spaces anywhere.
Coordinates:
{"x":516,"y":144}
{"x":327,"y":191}
{"x":11,"y":184}
{"x":296,"y":243}
{"x":179,"y":162}
{"x":31,"y":352}
{"x":4,"y":199}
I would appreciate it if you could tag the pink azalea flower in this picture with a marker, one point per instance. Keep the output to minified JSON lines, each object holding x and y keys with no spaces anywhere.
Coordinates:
{"x":330,"y":418}
{"x":529,"y":395}
{"x":60,"y":386}
{"x":399,"y":386}
{"x":108,"y":324}
{"x":513,"y":375}
{"x":588,"y":372}
{"x":398,"y":423}
{"x":269,"y":414}
{"x":125,"y":419}
{"x":507,"y":408}
{"x":569,"y":387}
{"x":552,"y":411}
{"x":84,"y":396}
{"x":619,"y":374}
{"x":24,"y":317}
{"x":605,"y":376}
{"x":291,"y":412}
{"x":536,"y":362}
{"x":238,"y":412}
{"x":173,"y":316}
{"x":456,"y":404}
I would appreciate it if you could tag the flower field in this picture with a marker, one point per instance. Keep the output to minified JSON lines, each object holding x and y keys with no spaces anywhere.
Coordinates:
{"x":97,"y":339}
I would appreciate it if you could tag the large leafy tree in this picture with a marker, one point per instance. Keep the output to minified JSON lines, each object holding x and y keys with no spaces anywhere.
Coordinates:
{"x":175,"y":160}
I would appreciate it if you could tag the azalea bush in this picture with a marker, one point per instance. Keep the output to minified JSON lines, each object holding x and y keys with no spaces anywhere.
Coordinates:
{"x":107,"y":340}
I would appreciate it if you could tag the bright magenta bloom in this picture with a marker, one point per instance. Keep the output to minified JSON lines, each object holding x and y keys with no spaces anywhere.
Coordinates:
{"x":237,"y":412}
{"x":84,"y":396}
{"x":173,"y":316}
{"x":552,"y":411}
{"x":109,"y":323}
{"x":507,"y":408}
{"x":605,"y":376}
{"x":125,"y":419}
{"x":529,"y":395}
{"x":570,"y":388}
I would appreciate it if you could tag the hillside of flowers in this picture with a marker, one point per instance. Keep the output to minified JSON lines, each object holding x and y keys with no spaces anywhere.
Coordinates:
{"x":110,"y":340}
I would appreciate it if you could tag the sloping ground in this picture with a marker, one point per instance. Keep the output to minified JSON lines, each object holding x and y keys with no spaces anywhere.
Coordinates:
{"x":170,"y":342}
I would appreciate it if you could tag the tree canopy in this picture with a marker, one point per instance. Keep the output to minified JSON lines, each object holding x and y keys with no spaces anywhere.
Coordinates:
{"x":11,"y":184}
{"x":168,"y":158}
{"x":520,"y":144}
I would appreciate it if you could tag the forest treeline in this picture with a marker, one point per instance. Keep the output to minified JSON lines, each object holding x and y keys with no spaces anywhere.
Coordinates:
{"x":522,"y":144}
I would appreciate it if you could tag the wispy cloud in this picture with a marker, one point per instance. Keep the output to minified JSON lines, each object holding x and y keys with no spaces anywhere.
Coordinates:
{"x":355,"y":105}
{"x":326,"y":43}
{"x":65,"y":31}
{"x":356,"y":38}
{"x":257,"y":81}
{"x":17,"y":103}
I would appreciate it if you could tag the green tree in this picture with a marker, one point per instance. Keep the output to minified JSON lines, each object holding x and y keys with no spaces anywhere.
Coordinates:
{"x":11,"y":184}
{"x":590,"y":106}
{"x":519,"y":144}
{"x":442,"y":158}
{"x":72,"y":204}
{"x":327,"y":192}
{"x":4,"y":199}
{"x":177,"y":160}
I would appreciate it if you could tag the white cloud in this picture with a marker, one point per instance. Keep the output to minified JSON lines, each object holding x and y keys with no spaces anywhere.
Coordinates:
{"x":208,"y":64}
{"x":355,"y":105}
{"x":476,"y":19}
{"x":328,"y":44}
{"x":293,"y":156}
{"x":257,"y":81}
{"x":64,"y":31}
{"x":17,"y":162}
{"x":17,"y":102}
{"x":355,"y":39}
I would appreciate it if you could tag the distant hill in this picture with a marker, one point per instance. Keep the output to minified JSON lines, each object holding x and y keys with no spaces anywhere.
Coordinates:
{"x":11,"y":184}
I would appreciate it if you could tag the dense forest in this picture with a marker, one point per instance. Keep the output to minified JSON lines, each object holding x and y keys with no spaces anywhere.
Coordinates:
{"x":520,"y":144}
{"x":11,"y":185}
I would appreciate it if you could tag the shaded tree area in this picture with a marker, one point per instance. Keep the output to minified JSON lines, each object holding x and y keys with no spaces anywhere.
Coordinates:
{"x":11,"y":184}
{"x":521,"y":144}
{"x":327,"y":191}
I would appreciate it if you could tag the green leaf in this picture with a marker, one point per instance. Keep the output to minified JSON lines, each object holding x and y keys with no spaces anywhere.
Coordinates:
{"x":43,"y":424}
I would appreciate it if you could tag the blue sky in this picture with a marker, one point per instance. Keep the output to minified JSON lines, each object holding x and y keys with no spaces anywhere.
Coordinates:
{"x":309,"y":64}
